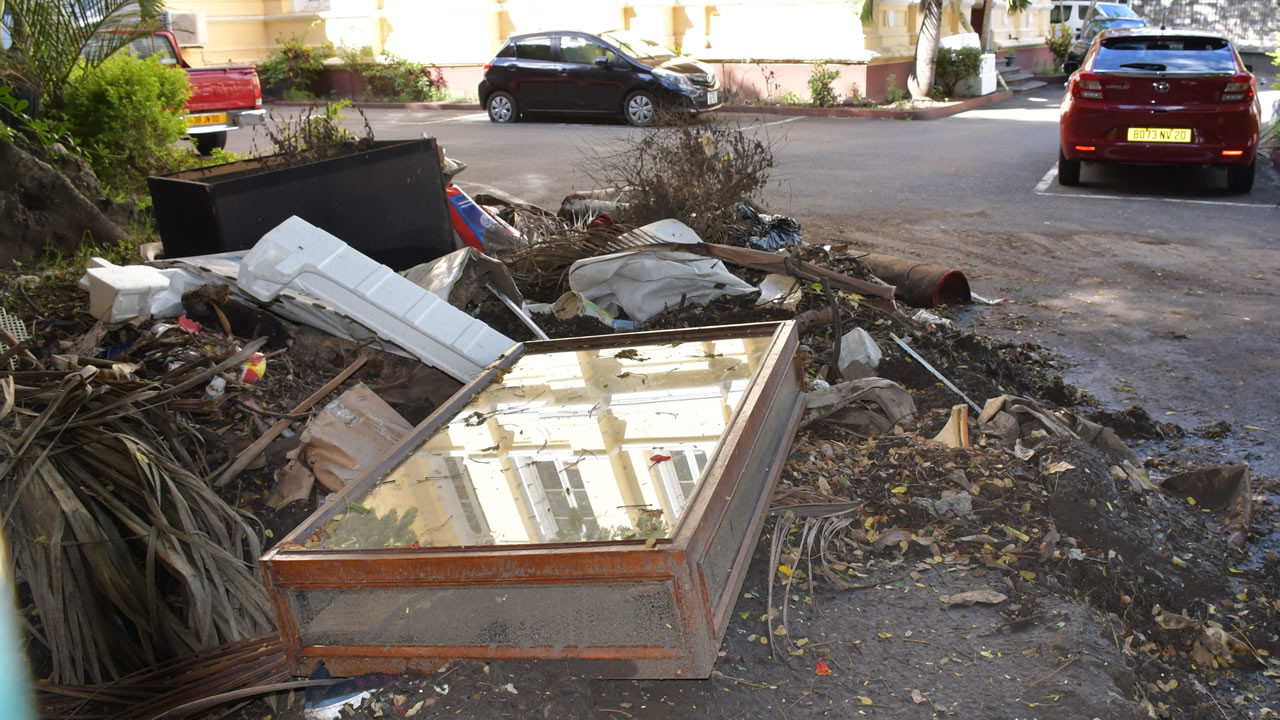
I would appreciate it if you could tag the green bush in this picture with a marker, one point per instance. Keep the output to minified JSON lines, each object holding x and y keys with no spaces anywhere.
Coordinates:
{"x":128,"y":114}
{"x":894,"y":93}
{"x":402,"y":80}
{"x":822,"y":92}
{"x":955,"y":66}
{"x":294,"y":65}
{"x":1060,"y":43}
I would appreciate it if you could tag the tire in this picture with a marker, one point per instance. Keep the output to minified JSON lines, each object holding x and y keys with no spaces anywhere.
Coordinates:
{"x":502,"y":108}
{"x":1240,"y":178}
{"x":206,"y":143}
{"x":639,"y":108}
{"x":1068,"y":171}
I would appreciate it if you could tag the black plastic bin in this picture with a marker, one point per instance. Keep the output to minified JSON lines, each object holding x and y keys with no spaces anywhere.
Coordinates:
{"x":387,"y":202}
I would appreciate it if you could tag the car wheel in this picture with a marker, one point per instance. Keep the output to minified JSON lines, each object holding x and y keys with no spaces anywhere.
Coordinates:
{"x":206,"y":143}
{"x":1240,"y":177}
{"x":1068,"y":170}
{"x":502,"y":108}
{"x":639,"y":108}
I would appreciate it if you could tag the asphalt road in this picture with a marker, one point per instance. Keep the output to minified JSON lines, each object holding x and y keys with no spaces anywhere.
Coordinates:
{"x":1156,"y":283}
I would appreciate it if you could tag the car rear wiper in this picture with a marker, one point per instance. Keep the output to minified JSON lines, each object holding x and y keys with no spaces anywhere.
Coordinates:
{"x":1155,"y":67}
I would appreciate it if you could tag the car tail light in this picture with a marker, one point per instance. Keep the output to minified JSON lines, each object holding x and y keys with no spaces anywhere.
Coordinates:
{"x":1232,"y":153}
{"x":1086,"y":148}
{"x":1087,"y":86}
{"x":488,"y":65}
{"x":257,"y":91}
{"x":1240,"y":89}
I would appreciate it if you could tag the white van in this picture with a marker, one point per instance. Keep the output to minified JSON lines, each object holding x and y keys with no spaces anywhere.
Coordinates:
{"x":1075,"y":13}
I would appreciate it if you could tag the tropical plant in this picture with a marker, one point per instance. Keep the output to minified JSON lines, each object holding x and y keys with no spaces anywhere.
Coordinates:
{"x":822,"y":92}
{"x":1059,"y":42}
{"x":51,"y":38}
{"x":956,"y":66}
{"x":294,"y":64}
{"x":128,"y":115}
{"x":1017,"y":6}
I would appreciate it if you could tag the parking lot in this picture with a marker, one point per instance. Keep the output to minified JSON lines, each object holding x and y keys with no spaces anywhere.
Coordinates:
{"x":1156,"y":282}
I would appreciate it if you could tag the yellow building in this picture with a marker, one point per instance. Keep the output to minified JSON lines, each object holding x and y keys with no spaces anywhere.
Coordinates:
{"x":760,"y":47}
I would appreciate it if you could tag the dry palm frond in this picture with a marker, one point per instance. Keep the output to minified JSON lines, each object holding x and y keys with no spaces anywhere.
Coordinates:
{"x":161,"y":690}
{"x":129,"y":556}
{"x":822,"y":519}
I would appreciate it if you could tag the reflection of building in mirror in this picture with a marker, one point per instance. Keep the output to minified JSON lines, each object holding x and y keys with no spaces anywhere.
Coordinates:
{"x":581,"y":446}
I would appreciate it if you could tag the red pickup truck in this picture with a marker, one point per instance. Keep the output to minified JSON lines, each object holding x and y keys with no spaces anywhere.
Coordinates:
{"x":222,"y":98}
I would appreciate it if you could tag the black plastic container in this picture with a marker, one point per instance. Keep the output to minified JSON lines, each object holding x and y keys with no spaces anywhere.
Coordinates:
{"x":387,"y":202}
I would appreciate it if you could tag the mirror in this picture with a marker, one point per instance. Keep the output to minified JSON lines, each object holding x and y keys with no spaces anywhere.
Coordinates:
{"x":602,"y":61}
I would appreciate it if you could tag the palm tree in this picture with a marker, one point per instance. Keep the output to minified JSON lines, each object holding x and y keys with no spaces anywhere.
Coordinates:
{"x":51,"y":37}
{"x":920,"y":81}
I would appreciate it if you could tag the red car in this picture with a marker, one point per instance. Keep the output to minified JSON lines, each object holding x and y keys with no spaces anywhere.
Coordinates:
{"x":1151,"y":96}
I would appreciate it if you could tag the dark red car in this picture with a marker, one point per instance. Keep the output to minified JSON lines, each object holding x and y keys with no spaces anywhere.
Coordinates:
{"x":1152,"y":96}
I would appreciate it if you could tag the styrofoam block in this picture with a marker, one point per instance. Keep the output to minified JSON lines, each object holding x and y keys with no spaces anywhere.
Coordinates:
{"x":94,"y":262}
{"x":301,"y":256}
{"x":118,"y":294}
{"x":859,"y":354}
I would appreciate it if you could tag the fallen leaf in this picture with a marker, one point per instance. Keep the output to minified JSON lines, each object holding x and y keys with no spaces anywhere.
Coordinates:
{"x":975,"y":597}
{"x":801,"y":642}
{"x":1060,"y":466}
{"x":1170,"y":621}
{"x":885,"y":635}
{"x":414,"y":710}
{"x":917,"y":697}
{"x":865,"y":700}
{"x":1027,"y":575}
{"x":780,"y":630}
{"x":821,"y":668}
{"x":987,"y":654}
{"x":511,"y":688}
{"x":900,"y":489}
{"x":785,"y":570}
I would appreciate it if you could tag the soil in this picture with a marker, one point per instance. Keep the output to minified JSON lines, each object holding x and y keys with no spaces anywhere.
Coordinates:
{"x":1088,"y":570}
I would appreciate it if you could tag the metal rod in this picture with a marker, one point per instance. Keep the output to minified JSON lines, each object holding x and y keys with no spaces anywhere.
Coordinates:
{"x":903,"y":344}
{"x":519,"y":311}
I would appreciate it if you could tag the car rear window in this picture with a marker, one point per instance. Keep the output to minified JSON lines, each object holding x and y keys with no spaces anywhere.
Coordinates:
{"x":507,"y":51}
{"x":538,"y":48}
{"x":1165,"y":54}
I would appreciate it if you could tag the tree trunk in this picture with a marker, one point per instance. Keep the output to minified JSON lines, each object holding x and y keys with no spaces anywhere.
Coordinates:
{"x":986,"y":26}
{"x":40,"y":207}
{"x":920,"y":81}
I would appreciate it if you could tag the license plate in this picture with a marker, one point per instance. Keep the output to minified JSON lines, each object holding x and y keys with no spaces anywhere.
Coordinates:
{"x":713,"y":97}
{"x":214,"y":119}
{"x":1167,"y":135}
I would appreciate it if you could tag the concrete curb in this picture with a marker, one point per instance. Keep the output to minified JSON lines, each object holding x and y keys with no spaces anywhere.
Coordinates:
{"x":932,"y":113}
{"x":380,"y":105}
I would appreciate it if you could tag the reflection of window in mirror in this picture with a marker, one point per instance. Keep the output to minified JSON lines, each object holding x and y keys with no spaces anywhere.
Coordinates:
{"x":680,"y":474}
{"x":464,"y":491}
{"x":559,"y":499}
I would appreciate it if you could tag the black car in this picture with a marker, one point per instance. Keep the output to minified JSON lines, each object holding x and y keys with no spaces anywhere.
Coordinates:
{"x":1080,"y":48}
{"x":607,"y":74}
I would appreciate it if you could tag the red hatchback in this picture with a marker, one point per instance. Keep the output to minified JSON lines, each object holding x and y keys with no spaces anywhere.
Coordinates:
{"x":1151,"y":96}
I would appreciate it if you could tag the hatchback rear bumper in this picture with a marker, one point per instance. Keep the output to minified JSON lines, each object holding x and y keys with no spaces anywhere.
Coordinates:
{"x":1105,"y":130}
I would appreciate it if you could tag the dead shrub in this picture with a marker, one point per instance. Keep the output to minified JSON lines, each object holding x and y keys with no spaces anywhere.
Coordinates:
{"x":694,"y":170}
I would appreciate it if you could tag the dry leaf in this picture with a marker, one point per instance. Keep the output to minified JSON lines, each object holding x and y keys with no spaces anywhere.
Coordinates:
{"x":975,"y":597}
{"x":1060,"y":466}
{"x":1170,"y":621}
{"x":917,"y":697}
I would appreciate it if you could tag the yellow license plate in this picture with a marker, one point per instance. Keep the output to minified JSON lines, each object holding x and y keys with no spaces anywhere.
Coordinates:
{"x":1168,"y":135}
{"x":214,"y":119}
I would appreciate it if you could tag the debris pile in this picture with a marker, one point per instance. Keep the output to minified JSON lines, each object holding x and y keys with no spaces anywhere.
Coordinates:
{"x":163,"y":428}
